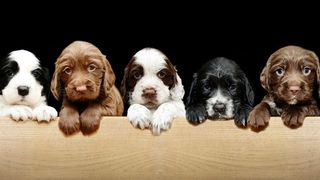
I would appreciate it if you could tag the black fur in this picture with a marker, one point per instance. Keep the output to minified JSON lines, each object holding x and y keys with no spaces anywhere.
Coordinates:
{"x":232,"y":81}
{"x":8,"y":69}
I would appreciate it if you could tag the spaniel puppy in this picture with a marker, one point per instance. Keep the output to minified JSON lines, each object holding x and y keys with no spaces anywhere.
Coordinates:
{"x":24,"y":88}
{"x":153,"y":89}
{"x":291,"y":79}
{"x":84,"y":79}
{"x":220,"y":90}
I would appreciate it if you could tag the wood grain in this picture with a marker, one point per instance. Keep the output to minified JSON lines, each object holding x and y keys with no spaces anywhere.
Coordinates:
{"x":213,"y":150}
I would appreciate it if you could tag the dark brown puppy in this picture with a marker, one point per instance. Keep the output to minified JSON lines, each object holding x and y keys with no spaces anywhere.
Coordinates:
{"x":85,"y":80}
{"x":291,"y":79}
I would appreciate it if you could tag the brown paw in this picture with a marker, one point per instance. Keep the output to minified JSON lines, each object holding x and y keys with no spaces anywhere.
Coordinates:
{"x":69,"y":121}
{"x":258,"y":119}
{"x":90,"y":121}
{"x":293,"y":118}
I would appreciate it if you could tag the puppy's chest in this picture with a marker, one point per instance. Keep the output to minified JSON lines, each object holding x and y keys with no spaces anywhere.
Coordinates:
{"x":274,"y":109}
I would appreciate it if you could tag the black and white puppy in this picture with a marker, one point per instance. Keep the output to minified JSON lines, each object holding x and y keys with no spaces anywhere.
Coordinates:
{"x":24,"y":88}
{"x":154,"y":91}
{"x":220,"y":90}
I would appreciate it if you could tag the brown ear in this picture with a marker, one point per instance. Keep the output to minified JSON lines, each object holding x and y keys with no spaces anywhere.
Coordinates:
{"x":55,"y":84}
{"x":109,"y":76}
{"x":264,"y":76}
{"x":315,"y":57}
{"x":123,"y":86}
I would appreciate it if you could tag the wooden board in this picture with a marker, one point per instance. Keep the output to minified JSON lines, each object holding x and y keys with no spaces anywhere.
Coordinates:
{"x":213,"y":150}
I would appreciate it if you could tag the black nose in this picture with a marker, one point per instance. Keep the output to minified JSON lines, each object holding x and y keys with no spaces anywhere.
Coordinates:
{"x":219,"y":107}
{"x":23,"y":90}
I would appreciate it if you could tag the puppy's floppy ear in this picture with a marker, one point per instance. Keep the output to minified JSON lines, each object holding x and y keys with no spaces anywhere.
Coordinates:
{"x":264,"y":76}
{"x":249,"y":91}
{"x":55,"y":83}
{"x":123,"y":86}
{"x":193,"y":90}
{"x":177,"y":92}
{"x":46,"y":78}
{"x":109,"y":76}
{"x":316,"y":59}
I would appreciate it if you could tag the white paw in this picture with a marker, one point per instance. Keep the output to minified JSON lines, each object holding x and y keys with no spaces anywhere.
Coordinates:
{"x":44,"y":113}
{"x":20,"y":112}
{"x":139,"y":116}
{"x":162,"y":119}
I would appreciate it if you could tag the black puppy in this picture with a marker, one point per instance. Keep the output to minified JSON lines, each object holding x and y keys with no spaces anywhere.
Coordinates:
{"x":220,"y":90}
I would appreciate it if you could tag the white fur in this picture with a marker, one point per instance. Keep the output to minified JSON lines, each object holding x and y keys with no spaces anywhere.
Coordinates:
{"x":219,"y":98}
{"x":170,"y":101}
{"x":31,"y":106}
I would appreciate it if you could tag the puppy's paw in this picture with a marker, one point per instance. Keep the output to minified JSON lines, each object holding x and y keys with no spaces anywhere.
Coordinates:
{"x":69,"y":121}
{"x":139,"y":116}
{"x":162,"y":119}
{"x":258,"y":119}
{"x":293,"y":118}
{"x":241,"y":116}
{"x":44,"y":113}
{"x":90,"y":121}
{"x":196,"y":115}
{"x":20,"y":112}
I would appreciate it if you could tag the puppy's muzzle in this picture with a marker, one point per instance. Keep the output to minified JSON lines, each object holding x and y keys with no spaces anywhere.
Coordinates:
{"x":149,"y":93}
{"x":219,"y":107}
{"x":23,"y":90}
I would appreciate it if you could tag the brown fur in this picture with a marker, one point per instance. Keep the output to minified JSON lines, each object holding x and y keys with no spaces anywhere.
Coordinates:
{"x":80,"y":65}
{"x":293,"y":107}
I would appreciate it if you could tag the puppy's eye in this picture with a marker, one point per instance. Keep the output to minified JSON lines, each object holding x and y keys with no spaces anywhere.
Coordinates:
{"x":137,"y":75}
{"x":306,"y":71}
{"x":280,"y":71}
{"x":9,"y":73}
{"x":232,"y":87}
{"x":206,"y":87}
{"x":161,"y":74}
{"x":91,"y":68}
{"x":37,"y":73}
{"x":67,"y":70}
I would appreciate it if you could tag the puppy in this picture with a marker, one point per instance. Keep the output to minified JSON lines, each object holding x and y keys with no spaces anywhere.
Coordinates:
{"x":84,"y":79}
{"x":291,"y":79}
{"x":24,"y":88}
{"x":153,"y":90}
{"x":220,"y":90}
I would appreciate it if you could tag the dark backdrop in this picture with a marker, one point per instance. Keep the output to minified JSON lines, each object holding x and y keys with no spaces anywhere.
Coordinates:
{"x":187,"y":37}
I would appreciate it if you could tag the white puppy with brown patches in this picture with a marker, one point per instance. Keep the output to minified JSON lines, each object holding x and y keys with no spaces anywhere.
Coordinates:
{"x":153,"y":90}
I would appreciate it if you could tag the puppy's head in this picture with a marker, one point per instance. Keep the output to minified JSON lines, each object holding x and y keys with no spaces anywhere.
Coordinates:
{"x":222,"y":87}
{"x":291,"y":75}
{"x":23,"y":80}
{"x":150,"y":79}
{"x":82,"y":72}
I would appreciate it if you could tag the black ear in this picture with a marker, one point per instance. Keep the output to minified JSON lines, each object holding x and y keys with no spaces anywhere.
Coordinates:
{"x":192,"y":97}
{"x":46,"y":84}
{"x":123,"y":86}
{"x":249,"y":96}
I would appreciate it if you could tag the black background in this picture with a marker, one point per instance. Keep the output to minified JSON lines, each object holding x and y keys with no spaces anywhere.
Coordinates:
{"x":189,"y":34}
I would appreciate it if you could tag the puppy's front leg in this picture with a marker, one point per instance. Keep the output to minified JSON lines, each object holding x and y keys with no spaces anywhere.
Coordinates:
{"x":293,"y":116}
{"x":139,"y":116}
{"x":241,"y":115}
{"x":90,"y":119}
{"x":162,"y":118}
{"x":69,"y":119}
{"x":259,"y":117}
{"x":196,"y":114}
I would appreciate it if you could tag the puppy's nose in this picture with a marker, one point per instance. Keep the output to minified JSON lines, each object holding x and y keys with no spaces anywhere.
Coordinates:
{"x":23,"y":90}
{"x":81,"y":88}
{"x":219,"y":107}
{"x":149,"y":93}
{"x":294,"y":89}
